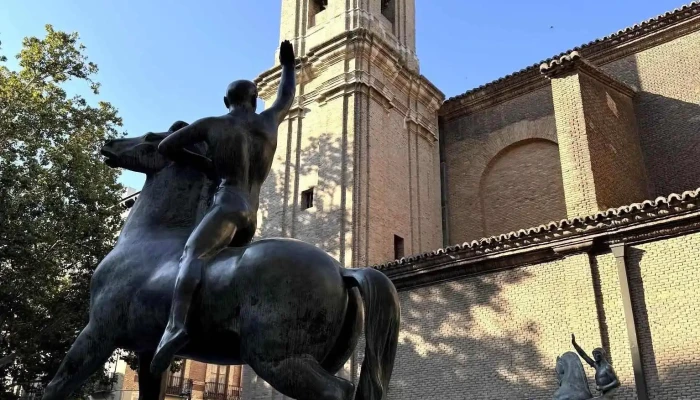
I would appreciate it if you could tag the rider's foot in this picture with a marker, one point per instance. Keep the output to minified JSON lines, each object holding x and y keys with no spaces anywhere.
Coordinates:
{"x":172,"y":341}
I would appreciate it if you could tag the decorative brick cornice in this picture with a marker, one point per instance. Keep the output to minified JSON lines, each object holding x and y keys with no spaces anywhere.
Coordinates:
{"x":562,"y":65}
{"x":573,"y":63}
{"x":362,"y":43}
{"x":338,"y":45}
{"x":672,"y":215}
{"x":652,"y":32}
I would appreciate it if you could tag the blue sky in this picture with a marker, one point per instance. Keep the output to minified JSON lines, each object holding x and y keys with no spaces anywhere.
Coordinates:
{"x":162,"y":61}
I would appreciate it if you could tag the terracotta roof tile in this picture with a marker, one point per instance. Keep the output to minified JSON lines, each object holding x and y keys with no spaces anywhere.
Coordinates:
{"x":614,"y":216}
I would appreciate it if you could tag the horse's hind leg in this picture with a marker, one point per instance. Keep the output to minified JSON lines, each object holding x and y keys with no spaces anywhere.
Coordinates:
{"x":303,"y":378}
{"x":149,"y":384}
{"x":90,"y":351}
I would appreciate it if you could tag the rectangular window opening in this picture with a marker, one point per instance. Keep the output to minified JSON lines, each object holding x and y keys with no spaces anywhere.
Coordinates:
{"x":398,"y":247}
{"x":307,"y":199}
{"x":389,"y":9}
{"x":315,"y":7}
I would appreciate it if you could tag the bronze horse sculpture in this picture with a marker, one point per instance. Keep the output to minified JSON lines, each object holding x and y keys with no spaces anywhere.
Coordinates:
{"x":573,"y":384}
{"x":284,"y":307}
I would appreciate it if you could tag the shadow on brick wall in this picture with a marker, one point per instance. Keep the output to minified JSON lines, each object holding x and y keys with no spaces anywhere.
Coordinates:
{"x":669,"y":128}
{"x":321,"y":224}
{"x":639,"y":304}
{"x":445,"y":353}
{"x":447,"y":348}
{"x":670,"y":138}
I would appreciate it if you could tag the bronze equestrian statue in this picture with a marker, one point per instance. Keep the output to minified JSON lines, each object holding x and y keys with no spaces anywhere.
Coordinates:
{"x":242,"y":147}
{"x":286,"y":308}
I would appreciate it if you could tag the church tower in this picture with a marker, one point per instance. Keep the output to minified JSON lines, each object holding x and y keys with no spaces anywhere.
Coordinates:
{"x":356,"y":170}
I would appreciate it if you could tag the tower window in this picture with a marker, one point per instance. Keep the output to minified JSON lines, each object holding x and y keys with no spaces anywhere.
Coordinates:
{"x":389,"y":9}
{"x":315,"y":7}
{"x":398,"y":247}
{"x":307,"y":199}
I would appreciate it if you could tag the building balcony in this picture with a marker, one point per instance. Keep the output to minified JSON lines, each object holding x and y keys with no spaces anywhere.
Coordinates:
{"x":221,"y":391}
{"x":177,"y":386}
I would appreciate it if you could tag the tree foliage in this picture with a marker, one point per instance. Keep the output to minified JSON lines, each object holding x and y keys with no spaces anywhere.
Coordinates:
{"x":58,"y":214}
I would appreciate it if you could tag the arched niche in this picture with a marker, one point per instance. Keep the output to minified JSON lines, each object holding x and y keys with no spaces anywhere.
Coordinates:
{"x":522,"y":187}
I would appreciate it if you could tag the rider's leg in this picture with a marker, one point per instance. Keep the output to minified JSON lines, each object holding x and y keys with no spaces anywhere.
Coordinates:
{"x":214,"y":232}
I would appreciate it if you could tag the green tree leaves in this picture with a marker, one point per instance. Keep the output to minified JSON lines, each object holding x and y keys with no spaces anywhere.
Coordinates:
{"x":58,"y":214}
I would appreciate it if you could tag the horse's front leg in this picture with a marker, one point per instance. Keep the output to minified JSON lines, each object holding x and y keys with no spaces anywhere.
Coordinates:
{"x":90,"y":351}
{"x":149,"y":384}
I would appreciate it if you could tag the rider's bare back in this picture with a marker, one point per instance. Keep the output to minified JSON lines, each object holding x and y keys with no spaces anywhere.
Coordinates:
{"x":241,"y":147}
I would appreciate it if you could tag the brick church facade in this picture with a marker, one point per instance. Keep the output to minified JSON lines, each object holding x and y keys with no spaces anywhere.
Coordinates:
{"x":373,"y":164}
{"x":559,"y":199}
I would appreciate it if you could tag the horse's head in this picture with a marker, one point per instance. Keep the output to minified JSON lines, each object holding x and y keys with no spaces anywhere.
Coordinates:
{"x":571,"y":377}
{"x":139,"y":154}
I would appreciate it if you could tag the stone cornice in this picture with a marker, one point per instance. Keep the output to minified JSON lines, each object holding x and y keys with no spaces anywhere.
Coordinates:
{"x":347,"y":45}
{"x":357,"y":44}
{"x":574,"y":63}
{"x":647,"y":34}
{"x":650,"y":220}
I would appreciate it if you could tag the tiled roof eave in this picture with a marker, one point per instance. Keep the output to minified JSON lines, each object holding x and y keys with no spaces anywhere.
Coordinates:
{"x":606,"y":222}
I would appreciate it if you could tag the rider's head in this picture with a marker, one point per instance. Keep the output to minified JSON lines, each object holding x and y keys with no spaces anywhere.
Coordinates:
{"x":177,"y":126}
{"x":241,"y":94}
{"x":598,"y":354}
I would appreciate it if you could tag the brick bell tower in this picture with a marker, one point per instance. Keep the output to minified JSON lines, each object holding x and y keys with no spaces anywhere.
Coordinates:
{"x":356,"y":170}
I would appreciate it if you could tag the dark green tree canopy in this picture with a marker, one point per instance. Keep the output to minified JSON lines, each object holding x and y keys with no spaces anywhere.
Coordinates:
{"x":58,"y":202}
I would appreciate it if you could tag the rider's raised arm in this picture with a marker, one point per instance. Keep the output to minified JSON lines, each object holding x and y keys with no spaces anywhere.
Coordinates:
{"x":582,"y":353}
{"x":285,"y":94}
{"x":174,"y":146}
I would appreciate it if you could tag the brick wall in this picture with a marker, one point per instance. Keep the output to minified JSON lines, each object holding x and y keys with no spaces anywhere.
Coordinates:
{"x":666,"y":302}
{"x":617,"y":164}
{"x":601,"y":158}
{"x":668,"y":109}
{"x":522,"y":187}
{"x":131,"y":382}
{"x":494,"y":336}
{"x":471,"y":142}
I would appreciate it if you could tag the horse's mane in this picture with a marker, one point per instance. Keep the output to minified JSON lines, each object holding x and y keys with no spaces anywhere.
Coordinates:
{"x":574,"y":375}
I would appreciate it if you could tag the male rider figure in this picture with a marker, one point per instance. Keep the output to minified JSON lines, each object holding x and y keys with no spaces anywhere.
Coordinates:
{"x":241,"y":145}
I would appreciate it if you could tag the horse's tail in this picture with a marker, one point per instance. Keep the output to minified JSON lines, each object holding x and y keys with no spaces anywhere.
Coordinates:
{"x":382,"y":318}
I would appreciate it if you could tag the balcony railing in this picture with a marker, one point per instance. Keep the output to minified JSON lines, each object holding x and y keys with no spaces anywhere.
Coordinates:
{"x":177,"y":386}
{"x":221,"y":391}
{"x":31,"y":391}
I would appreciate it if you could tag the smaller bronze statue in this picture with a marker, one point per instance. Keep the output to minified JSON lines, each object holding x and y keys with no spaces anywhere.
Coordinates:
{"x":571,"y":378}
{"x":605,"y":376}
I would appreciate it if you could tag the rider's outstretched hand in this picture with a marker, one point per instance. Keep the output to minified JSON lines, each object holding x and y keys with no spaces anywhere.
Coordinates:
{"x":286,"y":53}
